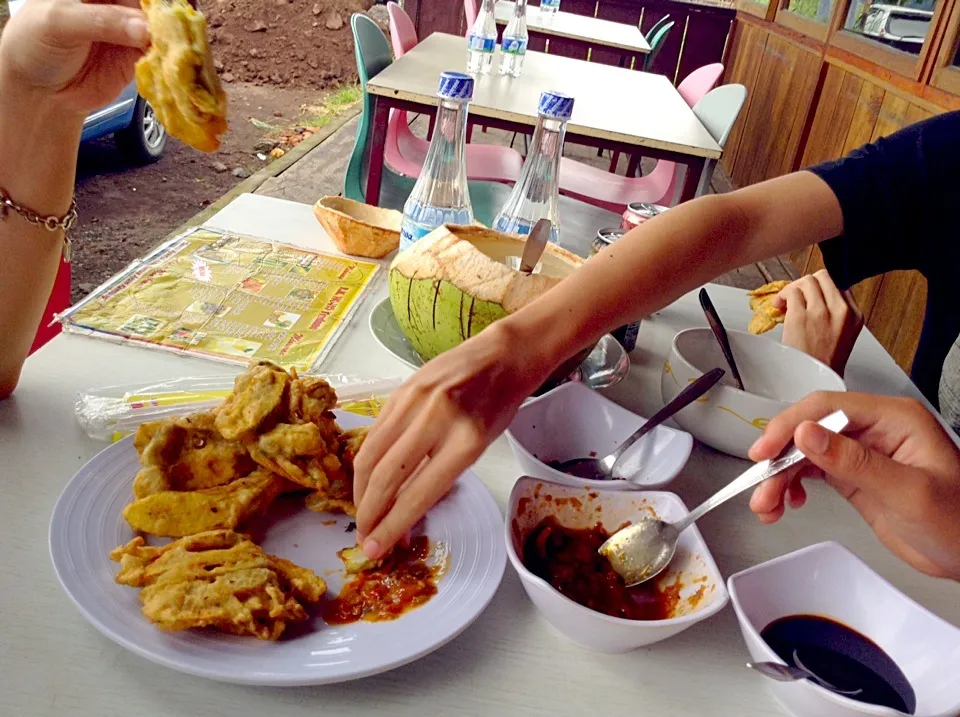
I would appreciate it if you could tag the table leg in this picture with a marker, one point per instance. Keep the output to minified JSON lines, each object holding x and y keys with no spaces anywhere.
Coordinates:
{"x":433,"y":121}
{"x":633,"y":165}
{"x":378,"y":141}
{"x":692,"y":180}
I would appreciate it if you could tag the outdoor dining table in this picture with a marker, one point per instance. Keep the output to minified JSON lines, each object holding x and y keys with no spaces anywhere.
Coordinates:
{"x":510,"y":662}
{"x":581,"y":30}
{"x":614,"y":108}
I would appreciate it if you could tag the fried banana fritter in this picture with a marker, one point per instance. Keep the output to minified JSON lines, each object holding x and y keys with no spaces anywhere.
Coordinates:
{"x":218,"y":579}
{"x":766,"y":316}
{"x":299,"y":453}
{"x":337,"y":497}
{"x":187,"y":453}
{"x":174,"y":514}
{"x":356,"y":561}
{"x":311,"y":401}
{"x":177,"y":77}
{"x":258,"y":396}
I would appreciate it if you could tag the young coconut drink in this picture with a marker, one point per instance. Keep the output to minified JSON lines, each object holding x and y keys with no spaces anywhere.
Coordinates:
{"x":455,"y":282}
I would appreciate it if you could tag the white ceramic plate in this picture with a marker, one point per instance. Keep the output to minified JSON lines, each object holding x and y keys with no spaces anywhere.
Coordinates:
{"x":607,"y":365}
{"x":87,"y":524}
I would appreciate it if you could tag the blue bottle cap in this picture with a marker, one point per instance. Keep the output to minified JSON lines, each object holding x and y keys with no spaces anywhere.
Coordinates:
{"x":455,"y":86}
{"x":556,"y":105}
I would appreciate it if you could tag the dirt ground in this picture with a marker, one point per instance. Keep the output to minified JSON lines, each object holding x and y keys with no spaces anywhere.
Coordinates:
{"x":125,"y":210}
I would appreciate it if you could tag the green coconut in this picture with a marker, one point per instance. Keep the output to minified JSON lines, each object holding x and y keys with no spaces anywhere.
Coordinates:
{"x":455,"y":282}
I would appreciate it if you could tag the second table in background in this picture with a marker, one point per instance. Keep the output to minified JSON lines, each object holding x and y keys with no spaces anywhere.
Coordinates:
{"x":614,"y":108}
{"x":580,"y":29}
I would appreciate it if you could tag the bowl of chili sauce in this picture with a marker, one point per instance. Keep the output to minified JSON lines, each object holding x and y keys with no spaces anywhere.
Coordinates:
{"x":553,"y":532}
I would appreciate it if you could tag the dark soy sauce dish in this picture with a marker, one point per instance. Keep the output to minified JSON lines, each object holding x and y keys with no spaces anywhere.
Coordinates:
{"x":842,"y":657}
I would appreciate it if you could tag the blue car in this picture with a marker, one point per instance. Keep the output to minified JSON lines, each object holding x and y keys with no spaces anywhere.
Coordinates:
{"x":130,"y":119}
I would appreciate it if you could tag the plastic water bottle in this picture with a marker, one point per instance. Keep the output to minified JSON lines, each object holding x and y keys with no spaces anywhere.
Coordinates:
{"x":513,"y":44}
{"x":482,"y":41}
{"x":441,"y":195}
{"x":537,"y":191}
{"x":548,"y":8}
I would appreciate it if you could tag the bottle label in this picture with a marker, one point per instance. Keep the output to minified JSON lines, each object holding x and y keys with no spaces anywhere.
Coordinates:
{"x":477,"y":43}
{"x":513,"y":45}
{"x":411,"y":233}
{"x":550,"y":4}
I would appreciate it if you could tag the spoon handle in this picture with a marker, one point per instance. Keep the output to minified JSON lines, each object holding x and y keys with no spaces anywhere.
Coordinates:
{"x":535,"y":244}
{"x":688,"y":395}
{"x":757,"y":473}
{"x":713,"y":318}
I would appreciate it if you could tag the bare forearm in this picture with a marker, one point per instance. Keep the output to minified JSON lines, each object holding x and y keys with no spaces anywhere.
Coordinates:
{"x":38,"y":154}
{"x":663,"y":259}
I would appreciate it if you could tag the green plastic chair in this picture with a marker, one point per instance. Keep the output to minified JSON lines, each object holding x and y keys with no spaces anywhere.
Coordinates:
{"x":651,"y":33}
{"x":373,"y":55}
{"x":656,"y":44}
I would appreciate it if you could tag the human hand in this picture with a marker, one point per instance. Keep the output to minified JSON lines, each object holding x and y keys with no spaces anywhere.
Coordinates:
{"x":76,"y":55}
{"x":433,"y":428}
{"x":895,"y":465}
{"x":820,"y":320}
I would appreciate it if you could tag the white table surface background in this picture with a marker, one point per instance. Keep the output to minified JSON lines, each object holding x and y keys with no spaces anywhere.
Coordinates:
{"x":510,"y":662}
{"x":595,"y":30}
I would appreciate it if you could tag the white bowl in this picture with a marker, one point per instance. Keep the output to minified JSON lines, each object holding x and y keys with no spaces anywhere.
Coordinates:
{"x":727,"y":418}
{"x":702,"y":593}
{"x":828,"y":580}
{"x":573,"y":421}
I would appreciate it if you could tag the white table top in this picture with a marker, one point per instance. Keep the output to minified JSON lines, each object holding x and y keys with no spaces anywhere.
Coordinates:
{"x":594,"y":30}
{"x":610,"y":103}
{"x":510,"y":662}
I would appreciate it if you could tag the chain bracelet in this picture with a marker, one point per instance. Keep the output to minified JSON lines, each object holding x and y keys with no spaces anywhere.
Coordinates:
{"x":51,"y":223}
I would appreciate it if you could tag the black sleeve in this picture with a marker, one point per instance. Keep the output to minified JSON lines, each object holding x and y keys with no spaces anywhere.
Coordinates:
{"x":899,"y":197}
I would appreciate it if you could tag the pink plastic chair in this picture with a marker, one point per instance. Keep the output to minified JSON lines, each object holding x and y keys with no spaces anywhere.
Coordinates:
{"x":717,"y":110}
{"x":699,"y":82}
{"x":693,"y":88}
{"x":471,"y":10}
{"x":405,"y":153}
{"x":403,"y":34}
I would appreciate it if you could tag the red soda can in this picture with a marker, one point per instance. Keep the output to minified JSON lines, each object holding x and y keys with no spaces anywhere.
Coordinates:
{"x":639,"y":212}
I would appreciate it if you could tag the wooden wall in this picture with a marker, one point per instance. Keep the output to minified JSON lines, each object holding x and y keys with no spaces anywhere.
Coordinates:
{"x":804,"y":108}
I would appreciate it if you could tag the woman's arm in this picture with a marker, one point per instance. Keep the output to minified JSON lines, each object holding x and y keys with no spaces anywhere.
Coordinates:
{"x":451,"y":409}
{"x":59,"y":60}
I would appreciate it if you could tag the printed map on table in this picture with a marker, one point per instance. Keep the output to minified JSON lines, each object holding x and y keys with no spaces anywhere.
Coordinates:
{"x":228,"y":297}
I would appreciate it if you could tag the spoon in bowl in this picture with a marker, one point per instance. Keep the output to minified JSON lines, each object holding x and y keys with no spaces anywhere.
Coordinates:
{"x":602,"y":468}
{"x":641,"y":551}
{"x":788,"y":673}
{"x":716,"y":325}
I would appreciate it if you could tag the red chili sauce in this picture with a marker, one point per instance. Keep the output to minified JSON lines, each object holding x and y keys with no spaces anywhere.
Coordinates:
{"x":404,"y":581}
{"x":567,"y":558}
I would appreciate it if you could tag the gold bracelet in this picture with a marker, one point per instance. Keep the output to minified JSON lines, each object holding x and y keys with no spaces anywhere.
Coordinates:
{"x":51,"y":223}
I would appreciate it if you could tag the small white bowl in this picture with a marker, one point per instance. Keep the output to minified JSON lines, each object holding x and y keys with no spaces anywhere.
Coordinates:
{"x":573,"y":421}
{"x":727,"y":418}
{"x":702,"y":591}
{"x":827,"y":579}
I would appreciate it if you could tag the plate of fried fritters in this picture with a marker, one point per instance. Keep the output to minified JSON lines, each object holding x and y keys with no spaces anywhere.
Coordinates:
{"x":209,"y":542}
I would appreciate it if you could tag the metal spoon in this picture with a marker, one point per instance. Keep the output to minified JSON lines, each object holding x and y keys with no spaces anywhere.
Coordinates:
{"x":713,"y":318}
{"x":602,"y":468}
{"x":642,"y":550}
{"x":789,"y":673}
{"x":536,"y":243}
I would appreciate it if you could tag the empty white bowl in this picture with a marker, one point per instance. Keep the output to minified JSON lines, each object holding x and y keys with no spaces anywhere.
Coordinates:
{"x":727,"y":418}
{"x":702,"y":591}
{"x":573,"y":421}
{"x":830,"y":581}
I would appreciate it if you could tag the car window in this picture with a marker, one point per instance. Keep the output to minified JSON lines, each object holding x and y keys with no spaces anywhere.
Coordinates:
{"x":908,"y":26}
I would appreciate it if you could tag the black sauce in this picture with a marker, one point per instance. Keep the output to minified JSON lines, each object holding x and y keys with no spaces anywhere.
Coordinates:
{"x":842,"y":657}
